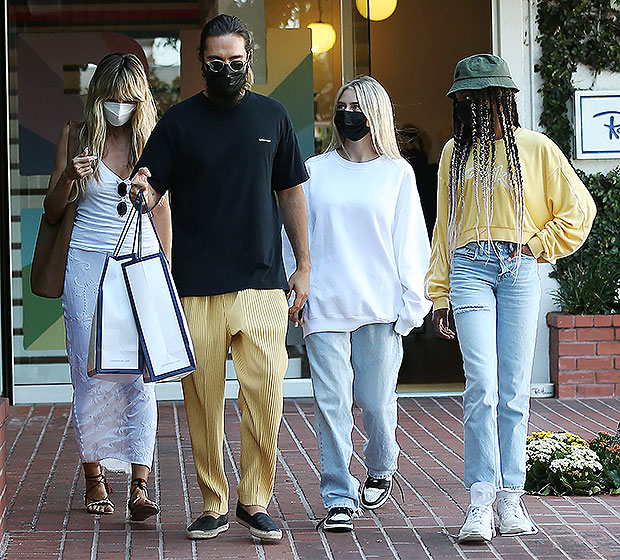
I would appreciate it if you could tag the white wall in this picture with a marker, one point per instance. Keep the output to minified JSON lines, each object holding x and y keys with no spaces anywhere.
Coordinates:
{"x":514,"y":38}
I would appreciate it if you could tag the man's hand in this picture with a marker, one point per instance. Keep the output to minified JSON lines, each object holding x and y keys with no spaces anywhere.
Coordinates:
{"x":140,"y":183}
{"x":292,"y":204}
{"x":299,"y":282}
{"x":441,"y":324}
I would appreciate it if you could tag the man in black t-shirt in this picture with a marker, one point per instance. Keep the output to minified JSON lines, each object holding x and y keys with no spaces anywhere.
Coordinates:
{"x":231,"y":160}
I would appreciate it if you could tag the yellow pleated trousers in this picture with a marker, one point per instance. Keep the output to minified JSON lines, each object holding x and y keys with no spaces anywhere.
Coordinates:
{"x":252,"y":323}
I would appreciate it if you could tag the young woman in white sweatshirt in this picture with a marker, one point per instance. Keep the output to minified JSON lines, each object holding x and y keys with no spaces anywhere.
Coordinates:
{"x":369,"y":251}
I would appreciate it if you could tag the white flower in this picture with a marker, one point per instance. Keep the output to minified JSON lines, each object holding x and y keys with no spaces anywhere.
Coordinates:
{"x":579,"y":458}
{"x":542,"y":450}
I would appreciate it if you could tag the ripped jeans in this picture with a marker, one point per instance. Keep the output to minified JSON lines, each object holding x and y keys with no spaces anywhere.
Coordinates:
{"x":495,"y":308}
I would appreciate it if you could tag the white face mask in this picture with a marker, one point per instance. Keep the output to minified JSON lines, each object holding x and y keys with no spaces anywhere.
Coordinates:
{"x":117,"y":114}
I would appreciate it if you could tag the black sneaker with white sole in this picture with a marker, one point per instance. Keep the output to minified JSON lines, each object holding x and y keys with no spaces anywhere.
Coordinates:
{"x":260,"y":524}
{"x":338,"y":520}
{"x":375,"y":492}
{"x":207,"y":527}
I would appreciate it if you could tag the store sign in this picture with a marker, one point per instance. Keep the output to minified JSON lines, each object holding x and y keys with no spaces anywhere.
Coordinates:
{"x":597,"y":124}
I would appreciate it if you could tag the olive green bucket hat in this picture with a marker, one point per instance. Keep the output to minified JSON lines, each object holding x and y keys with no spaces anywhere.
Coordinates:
{"x":481,"y":71}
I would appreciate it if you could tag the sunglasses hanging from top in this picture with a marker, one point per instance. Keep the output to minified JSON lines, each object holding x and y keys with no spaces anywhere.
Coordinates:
{"x":121,"y":207}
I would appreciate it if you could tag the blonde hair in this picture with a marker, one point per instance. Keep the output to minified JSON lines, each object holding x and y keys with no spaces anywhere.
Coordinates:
{"x":376,"y":104}
{"x":120,"y":77}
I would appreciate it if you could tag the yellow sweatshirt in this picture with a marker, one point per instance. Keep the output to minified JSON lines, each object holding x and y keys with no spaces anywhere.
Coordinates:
{"x":559,"y":210}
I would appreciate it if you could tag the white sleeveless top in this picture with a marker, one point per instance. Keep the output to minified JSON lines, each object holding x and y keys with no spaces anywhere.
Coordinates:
{"x":98,"y":226}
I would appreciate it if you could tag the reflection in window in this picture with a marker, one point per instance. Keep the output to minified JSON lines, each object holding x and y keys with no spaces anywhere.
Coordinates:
{"x":164,"y":58}
{"x":76,"y":77}
{"x":286,"y":14}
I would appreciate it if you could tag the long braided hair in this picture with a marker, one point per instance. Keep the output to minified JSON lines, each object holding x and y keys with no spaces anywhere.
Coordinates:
{"x":480,"y":139}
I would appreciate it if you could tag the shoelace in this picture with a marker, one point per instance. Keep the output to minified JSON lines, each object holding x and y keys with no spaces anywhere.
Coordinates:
{"x":402,"y":494}
{"x":477,"y":513}
{"x":512,"y":507}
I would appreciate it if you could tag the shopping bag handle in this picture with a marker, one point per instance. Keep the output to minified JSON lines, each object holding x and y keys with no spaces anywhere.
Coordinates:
{"x":138,"y":235}
{"x":140,"y":210}
{"x":125,"y":232}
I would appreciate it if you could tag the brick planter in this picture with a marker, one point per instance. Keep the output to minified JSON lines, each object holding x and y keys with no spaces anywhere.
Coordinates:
{"x":584,"y":355}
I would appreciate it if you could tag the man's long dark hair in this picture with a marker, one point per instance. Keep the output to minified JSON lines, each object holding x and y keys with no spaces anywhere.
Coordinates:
{"x":225,"y":24}
{"x":480,"y":138}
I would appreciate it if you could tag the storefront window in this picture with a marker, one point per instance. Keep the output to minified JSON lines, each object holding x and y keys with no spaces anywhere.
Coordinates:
{"x":53,"y":52}
{"x":54,"y":49}
{"x":304,"y":51}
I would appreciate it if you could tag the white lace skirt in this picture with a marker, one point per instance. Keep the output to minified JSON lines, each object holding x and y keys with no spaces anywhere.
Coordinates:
{"x":114,"y":423}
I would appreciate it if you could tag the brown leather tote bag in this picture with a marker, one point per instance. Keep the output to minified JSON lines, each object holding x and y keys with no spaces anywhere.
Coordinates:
{"x":47,"y":274}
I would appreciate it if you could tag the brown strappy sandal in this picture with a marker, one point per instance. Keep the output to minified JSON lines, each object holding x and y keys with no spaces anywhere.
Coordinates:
{"x":141,"y":508}
{"x":91,"y":507}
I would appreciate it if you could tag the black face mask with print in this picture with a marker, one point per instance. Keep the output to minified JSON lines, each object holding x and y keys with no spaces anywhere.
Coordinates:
{"x":351,"y":124}
{"x":463,"y":111}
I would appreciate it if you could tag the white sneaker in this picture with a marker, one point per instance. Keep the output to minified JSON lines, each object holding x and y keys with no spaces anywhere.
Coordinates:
{"x":479,"y":525}
{"x":513,"y":517}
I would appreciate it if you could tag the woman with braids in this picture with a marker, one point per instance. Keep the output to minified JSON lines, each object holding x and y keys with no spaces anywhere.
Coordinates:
{"x":508,"y":198}
{"x":114,"y":423}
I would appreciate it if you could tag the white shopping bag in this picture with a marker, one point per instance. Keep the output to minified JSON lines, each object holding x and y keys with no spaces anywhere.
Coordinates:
{"x":114,"y":352}
{"x":164,"y":335}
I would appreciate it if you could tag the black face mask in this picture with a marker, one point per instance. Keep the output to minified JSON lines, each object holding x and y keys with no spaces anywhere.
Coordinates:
{"x":226,"y":85}
{"x":351,"y":124}
{"x":463,"y":111}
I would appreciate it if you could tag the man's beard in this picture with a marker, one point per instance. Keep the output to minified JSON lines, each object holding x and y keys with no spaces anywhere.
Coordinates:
{"x":225,"y":101}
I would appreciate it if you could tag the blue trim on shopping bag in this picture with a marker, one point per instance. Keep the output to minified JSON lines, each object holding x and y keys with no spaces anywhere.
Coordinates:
{"x":174,"y":374}
{"x":98,"y":368}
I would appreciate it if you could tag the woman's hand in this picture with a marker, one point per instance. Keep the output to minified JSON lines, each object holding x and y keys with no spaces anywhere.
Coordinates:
{"x":525,"y":250}
{"x":80,"y":166}
{"x":441,"y":324}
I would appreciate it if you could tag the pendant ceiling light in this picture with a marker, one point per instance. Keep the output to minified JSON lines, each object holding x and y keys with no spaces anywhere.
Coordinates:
{"x":379,"y":9}
{"x":323,"y":34}
{"x":323,"y":37}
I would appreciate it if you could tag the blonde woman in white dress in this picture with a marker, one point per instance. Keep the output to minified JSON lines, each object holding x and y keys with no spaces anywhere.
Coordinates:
{"x":114,"y":423}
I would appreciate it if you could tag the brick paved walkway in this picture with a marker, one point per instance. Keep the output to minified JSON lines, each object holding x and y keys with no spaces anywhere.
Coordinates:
{"x":47,"y":518}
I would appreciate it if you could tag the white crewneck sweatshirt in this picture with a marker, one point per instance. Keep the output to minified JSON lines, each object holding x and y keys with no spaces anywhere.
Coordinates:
{"x":369,"y":248}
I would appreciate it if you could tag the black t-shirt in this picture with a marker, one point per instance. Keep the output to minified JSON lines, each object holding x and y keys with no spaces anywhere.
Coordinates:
{"x":222,"y":166}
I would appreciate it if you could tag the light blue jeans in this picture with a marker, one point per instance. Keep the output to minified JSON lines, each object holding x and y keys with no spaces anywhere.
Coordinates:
{"x":360,"y":366}
{"x":495,"y":308}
